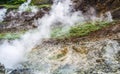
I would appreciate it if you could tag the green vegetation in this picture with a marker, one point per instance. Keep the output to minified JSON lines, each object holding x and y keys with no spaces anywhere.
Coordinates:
{"x":17,"y":2}
{"x":78,"y":30}
{"x":3,"y":22}
{"x":10,"y":6}
{"x":12,"y":1}
{"x":44,"y":5}
{"x":37,"y":2}
{"x":10,"y":36}
{"x":60,"y":33}
{"x":16,"y":6}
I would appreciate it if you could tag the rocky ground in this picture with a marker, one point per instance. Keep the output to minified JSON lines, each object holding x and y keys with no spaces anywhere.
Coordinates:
{"x":96,"y":53}
{"x":96,"y":56}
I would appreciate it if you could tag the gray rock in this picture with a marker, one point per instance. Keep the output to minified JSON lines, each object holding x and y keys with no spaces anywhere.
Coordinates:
{"x":21,"y":71}
{"x":2,"y":69}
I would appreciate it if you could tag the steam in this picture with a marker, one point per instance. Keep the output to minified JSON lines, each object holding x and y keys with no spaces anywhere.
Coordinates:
{"x":2,"y":14}
{"x":26,"y":7}
{"x":12,"y":53}
{"x":112,"y":49}
{"x":107,"y":17}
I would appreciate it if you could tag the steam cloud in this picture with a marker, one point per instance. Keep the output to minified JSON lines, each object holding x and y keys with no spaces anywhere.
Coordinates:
{"x":2,"y":14}
{"x":12,"y":53}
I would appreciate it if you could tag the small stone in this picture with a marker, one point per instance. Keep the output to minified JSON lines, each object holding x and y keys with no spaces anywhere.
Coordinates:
{"x":100,"y":60}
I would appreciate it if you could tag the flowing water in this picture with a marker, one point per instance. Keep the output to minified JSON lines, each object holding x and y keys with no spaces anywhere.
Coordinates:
{"x":55,"y":59}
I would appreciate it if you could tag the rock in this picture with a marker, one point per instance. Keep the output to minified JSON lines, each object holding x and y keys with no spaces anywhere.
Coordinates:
{"x":81,"y":50}
{"x":116,"y":14}
{"x":60,"y":54}
{"x":1,"y":7}
{"x":118,"y":40}
{"x":21,"y":71}
{"x":101,"y":6}
{"x":118,"y":56}
{"x":100,"y":60}
{"x":2,"y":69}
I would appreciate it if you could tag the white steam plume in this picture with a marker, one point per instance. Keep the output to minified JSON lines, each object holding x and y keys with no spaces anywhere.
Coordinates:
{"x":2,"y":14}
{"x":26,"y":7}
{"x":12,"y":53}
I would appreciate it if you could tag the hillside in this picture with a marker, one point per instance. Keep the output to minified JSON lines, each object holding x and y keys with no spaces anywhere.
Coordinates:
{"x":60,"y":37}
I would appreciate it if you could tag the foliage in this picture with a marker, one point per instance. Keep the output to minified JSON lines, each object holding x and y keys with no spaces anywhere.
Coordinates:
{"x":16,"y":6}
{"x":22,"y":1}
{"x":10,"y":36}
{"x":10,"y":6}
{"x":11,"y":1}
{"x":79,"y":30}
{"x":17,"y":1}
{"x":41,"y":2}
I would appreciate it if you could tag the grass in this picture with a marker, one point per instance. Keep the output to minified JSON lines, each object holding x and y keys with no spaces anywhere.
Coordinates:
{"x":10,"y":36}
{"x":3,"y":22}
{"x":44,"y":5}
{"x":17,"y":6}
{"x":10,"y":6}
{"x":79,"y":30}
{"x":61,"y":33}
